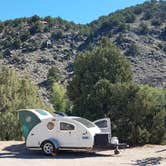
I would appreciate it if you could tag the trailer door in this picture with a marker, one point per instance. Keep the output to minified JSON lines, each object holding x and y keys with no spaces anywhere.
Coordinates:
{"x":67,"y":134}
{"x":105,"y":126}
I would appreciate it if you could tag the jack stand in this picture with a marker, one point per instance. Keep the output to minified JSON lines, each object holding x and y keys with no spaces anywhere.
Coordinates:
{"x":116,"y":151}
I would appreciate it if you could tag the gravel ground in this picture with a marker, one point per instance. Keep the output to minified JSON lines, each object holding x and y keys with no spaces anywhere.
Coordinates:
{"x":15,"y":153}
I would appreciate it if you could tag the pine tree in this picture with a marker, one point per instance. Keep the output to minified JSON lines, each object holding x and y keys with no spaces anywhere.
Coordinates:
{"x":103,"y":62}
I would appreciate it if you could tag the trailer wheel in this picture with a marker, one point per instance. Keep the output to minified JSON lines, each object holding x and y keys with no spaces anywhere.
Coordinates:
{"x":48,"y":148}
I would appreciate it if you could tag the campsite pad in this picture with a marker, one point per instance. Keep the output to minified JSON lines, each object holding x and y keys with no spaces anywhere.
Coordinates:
{"x":15,"y":153}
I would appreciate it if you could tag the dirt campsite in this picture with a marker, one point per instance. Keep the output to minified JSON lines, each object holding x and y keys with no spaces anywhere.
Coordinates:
{"x":15,"y":153}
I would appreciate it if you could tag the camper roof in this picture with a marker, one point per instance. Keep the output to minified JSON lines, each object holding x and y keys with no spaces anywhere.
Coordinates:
{"x":82,"y":121}
{"x":41,"y":114}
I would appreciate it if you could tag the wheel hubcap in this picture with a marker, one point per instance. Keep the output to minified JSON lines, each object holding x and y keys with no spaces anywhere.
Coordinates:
{"x":48,"y":148}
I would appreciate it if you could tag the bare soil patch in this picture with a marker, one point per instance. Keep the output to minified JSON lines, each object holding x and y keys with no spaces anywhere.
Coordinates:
{"x":15,"y":153}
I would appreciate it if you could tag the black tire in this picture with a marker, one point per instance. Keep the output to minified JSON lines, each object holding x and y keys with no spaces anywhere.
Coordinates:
{"x":48,"y":148}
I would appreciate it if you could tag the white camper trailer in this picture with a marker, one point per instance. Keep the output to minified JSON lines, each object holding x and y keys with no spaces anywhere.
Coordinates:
{"x":50,"y":133}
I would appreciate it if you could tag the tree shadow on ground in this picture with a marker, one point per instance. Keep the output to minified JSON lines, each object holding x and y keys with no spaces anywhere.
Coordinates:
{"x":149,"y":161}
{"x":20,"y":151}
{"x":160,"y":150}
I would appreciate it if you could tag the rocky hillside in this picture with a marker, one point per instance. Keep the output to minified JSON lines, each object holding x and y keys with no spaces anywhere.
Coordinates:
{"x":140,"y":32}
{"x":33,"y":45}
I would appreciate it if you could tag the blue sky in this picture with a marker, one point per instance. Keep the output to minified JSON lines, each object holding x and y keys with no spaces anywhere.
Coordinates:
{"x":79,"y":11}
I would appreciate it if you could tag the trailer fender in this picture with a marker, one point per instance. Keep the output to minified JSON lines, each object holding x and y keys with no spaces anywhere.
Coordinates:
{"x":53,"y":141}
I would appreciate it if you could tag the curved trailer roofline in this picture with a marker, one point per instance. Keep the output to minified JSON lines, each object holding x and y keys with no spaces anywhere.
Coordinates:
{"x":40,"y":113}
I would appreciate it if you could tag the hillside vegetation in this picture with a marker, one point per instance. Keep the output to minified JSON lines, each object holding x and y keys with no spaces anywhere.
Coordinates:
{"x":15,"y":94}
{"x":140,"y":33}
{"x":114,"y":66}
{"x":102,"y":87}
{"x":33,"y":45}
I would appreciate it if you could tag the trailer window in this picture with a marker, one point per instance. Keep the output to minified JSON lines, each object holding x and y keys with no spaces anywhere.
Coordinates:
{"x":85,"y":122}
{"x":41,"y":112}
{"x":66,"y":126}
{"x":102,"y":124}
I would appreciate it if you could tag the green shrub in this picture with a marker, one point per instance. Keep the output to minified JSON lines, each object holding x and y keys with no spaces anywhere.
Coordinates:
{"x":58,"y":97}
{"x":144,"y":29}
{"x":156,"y":22}
{"x":53,"y":76}
{"x":16,"y":43}
{"x":15,"y":94}
{"x":36,"y":28}
{"x":34,"y":18}
{"x":133,"y":50}
{"x":1,"y":55}
{"x":148,"y":15}
{"x":138,"y":10}
{"x":120,"y":39}
{"x":24,"y":36}
{"x":130,"y":18}
{"x":57,"y":35}
{"x":1,"y":27}
{"x":163,"y":34}
{"x":123,"y":27}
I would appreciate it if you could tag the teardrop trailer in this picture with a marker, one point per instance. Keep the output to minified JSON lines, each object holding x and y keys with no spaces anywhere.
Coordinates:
{"x":42,"y":130}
